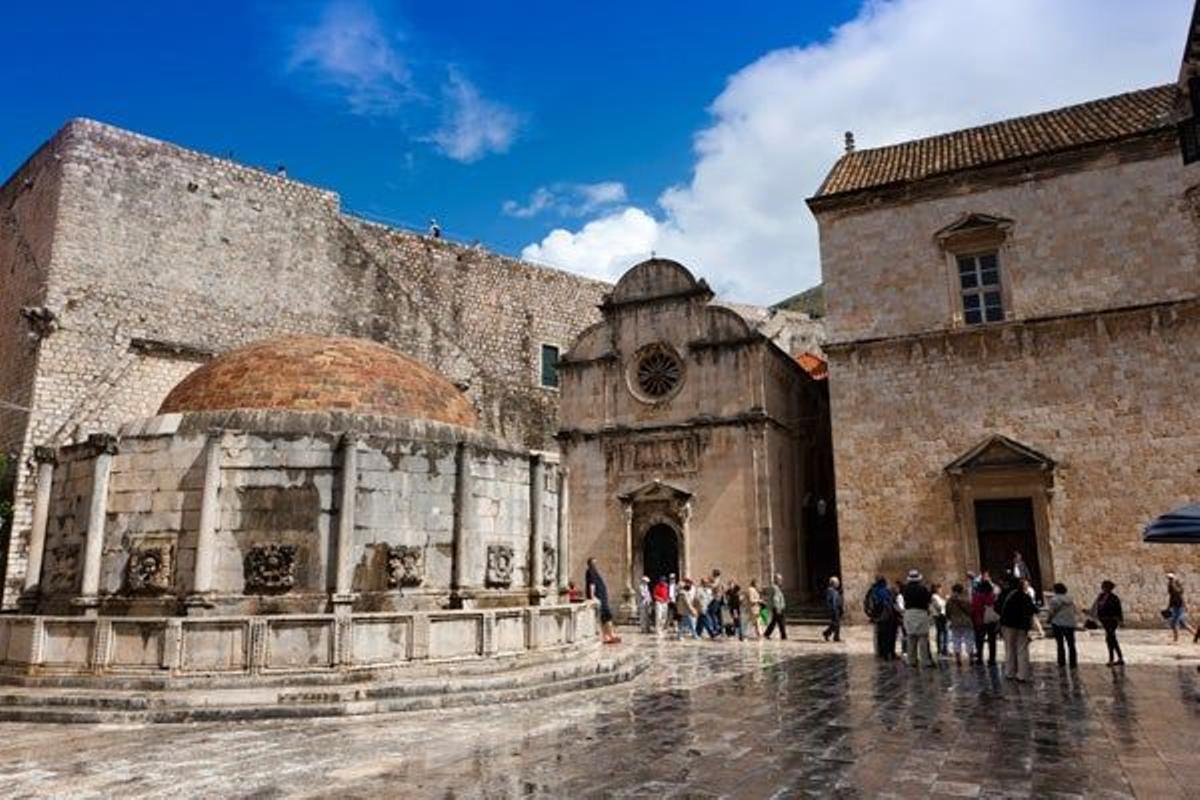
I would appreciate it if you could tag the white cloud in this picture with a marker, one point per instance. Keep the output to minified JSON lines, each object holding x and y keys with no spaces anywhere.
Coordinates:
{"x":349,"y":51}
{"x":568,"y":199}
{"x":603,"y":248}
{"x":472,"y":126}
{"x":901,"y":69}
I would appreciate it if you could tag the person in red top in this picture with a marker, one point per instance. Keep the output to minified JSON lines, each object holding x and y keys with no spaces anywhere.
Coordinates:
{"x":662,"y":598}
{"x":983,"y":614}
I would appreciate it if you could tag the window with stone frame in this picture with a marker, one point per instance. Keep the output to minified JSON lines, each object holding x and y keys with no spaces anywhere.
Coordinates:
{"x":549,"y":366}
{"x":979,"y":288}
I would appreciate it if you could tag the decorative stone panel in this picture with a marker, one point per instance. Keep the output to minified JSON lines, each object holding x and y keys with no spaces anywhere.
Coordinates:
{"x":270,"y":568}
{"x":405,"y":566}
{"x":148,"y":570}
{"x":499,"y":566}
{"x":549,"y":565}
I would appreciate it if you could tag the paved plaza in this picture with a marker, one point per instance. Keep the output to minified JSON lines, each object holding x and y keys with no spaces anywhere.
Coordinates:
{"x":710,"y":719}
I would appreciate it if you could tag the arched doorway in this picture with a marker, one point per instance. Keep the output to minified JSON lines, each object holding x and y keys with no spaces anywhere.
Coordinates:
{"x":660,"y":552}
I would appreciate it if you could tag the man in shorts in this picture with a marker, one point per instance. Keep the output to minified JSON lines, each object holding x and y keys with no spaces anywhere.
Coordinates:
{"x":597,"y":590}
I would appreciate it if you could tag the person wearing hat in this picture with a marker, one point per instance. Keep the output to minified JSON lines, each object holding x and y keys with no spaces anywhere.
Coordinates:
{"x":1176,"y":611}
{"x":917,"y":598}
{"x":1107,"y":611}
{"x":645,"y":604}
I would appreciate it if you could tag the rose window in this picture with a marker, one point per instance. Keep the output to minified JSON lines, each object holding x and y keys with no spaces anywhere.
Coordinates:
{"x":658,"y":373}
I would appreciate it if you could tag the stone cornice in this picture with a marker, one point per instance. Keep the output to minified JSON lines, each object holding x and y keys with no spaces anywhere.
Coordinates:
{"x":748,"y":419}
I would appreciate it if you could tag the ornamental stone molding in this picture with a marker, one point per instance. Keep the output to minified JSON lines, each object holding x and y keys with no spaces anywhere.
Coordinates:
{"x":270,"y":567}
{"x":499,"y":566}
{"x":405,"y":566}
{"x":148,"y":570}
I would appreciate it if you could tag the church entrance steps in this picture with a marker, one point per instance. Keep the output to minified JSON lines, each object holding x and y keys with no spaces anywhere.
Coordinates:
{"x":108,"y":701}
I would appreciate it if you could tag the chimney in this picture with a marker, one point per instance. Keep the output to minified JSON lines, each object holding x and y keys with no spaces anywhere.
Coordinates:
{"x":849,"y":141}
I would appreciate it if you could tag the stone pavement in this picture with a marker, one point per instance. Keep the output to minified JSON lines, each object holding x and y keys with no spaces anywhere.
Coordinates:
{"x":708,"y":719}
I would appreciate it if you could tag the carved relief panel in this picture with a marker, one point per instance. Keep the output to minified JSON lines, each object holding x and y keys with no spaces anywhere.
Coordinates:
{"x":148,"y":570}
{"x":499,"y":566}
{"x":405,"y":566}
{"x":270,"y":567}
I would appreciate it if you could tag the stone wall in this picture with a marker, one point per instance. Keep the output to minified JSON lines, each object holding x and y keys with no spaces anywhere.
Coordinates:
{"x":1110,"y":398}
{"x":1108,"y":233}
{"x":419,"y":486}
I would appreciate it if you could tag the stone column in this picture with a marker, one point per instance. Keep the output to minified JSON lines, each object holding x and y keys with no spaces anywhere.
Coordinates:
{"x":210,"y":514}
{"x":464,"y":523}
{"x":537,"y":485}
{"x":627,"y":602}
{"x":46,"y":458}
{"x":685,"y":515}
{"x":564,"y":530}
{"x":343,"y":595}
{"x":105,"y":447}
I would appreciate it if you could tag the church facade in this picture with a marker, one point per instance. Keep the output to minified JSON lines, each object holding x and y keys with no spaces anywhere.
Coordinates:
{"x":691,"y":442}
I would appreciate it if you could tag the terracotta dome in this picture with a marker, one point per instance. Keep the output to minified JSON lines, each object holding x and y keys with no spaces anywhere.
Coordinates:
{"x":319,"y":373}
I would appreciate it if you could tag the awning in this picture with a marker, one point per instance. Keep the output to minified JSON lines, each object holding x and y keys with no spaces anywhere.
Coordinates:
{"x":1181,"y":526}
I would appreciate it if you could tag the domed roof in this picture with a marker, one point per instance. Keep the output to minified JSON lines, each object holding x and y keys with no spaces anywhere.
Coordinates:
{"x":319,"y":373}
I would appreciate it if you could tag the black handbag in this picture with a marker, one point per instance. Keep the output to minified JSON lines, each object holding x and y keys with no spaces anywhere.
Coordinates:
{"x":1166,"y":613}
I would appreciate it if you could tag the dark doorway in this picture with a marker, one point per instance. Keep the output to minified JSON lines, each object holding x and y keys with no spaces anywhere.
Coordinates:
{"x":1006,"y":527}
{"x":660,"y":552}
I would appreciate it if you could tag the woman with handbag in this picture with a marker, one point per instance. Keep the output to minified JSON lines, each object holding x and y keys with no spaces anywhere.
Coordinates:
{"x":1107,"y":611}
{"x":983,"y":614}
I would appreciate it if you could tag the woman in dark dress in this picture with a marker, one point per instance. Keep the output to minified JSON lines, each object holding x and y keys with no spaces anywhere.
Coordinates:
{"x":1107,"y":611}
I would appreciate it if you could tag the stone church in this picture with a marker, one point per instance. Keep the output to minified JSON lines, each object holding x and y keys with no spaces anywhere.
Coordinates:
{"x":1014,"y":322}
{"x":692,"y":442}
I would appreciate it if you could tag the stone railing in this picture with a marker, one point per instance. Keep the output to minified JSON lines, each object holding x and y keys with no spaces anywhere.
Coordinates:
{"x":281,"y":645}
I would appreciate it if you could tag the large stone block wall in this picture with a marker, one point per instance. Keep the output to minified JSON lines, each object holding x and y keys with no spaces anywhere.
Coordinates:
{"x":1108,"y":233}
{"x":1111,"y":399}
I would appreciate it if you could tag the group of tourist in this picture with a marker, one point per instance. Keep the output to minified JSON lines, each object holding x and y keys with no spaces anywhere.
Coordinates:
{"x":712,"y":606}
{"x":976,"y":612}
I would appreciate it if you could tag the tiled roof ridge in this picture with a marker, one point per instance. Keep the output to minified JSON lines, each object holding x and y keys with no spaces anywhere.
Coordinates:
{"x":1093,"y":121}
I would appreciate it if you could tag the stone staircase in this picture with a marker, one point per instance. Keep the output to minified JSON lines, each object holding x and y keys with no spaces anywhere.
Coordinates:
{"x":60,"y":700}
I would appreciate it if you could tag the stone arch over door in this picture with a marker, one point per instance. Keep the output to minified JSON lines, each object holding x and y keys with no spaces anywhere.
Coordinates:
{"x":650,"y":530}
{"x":655,"y":504}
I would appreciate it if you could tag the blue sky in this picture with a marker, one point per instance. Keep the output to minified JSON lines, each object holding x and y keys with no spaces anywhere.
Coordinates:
{"x":577,"y":134}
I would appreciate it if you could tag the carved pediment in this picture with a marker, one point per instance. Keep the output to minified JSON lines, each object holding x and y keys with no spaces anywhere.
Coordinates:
{"x":999,"y":452}
{"x":656,"y":490}
{"x":972,"y":229}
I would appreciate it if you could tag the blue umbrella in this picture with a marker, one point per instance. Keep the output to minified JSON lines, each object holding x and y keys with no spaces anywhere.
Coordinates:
{"x":1181,"y":526}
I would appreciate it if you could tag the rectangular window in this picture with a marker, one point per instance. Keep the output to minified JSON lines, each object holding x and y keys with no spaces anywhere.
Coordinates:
{"x":979,"y":283}
{"x":549,"y":366}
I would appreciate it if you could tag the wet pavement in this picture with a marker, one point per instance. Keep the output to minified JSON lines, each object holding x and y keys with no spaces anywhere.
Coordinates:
{"x":754,"y":720}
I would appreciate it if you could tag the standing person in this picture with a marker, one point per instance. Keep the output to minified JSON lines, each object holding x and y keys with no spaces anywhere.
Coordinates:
{"x":1176,"y":608}
{"x":662,"y":598}
{"x":985,"y":618}
{"x":917,"y":598}
{"x":717,"y":602}
{"x":1062,"y":624}
{"x":704,"y":621}
{"x":1019,"y":569}
{"x":880,"y":607}
{"x":597,"y":590}
{"x":1016,"y":618}
{"x":733,"y":602}
{"x":1107,"y":611}
{"x":937,"y":609}
{"x":835,"y":605}
{"x":754,"y":608}
{"x":962,"y":626}
{"x":778,"y":604}
{"x":645,"y":604}
{"x":685,"y":609}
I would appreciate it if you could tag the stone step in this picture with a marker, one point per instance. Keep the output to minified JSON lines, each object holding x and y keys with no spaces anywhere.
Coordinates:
{"x":82,"y":706}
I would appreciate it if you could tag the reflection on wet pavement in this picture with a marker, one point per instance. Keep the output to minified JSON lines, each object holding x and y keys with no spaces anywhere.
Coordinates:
{"x":708,"y":720}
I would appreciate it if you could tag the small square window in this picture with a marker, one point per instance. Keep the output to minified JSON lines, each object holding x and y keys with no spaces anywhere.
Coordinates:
{"x":549,"y":366}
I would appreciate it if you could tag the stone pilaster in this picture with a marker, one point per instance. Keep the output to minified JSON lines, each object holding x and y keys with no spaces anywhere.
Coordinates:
{"x":46,"y":458}
{"x":343,"y":596}
{"x":464,"y":523}
{"x":537,"y":486}
{"x":564,"y":530}
{"x":418,"y":645}
{"x":105,"y":447}
{"x":210,"y":514}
